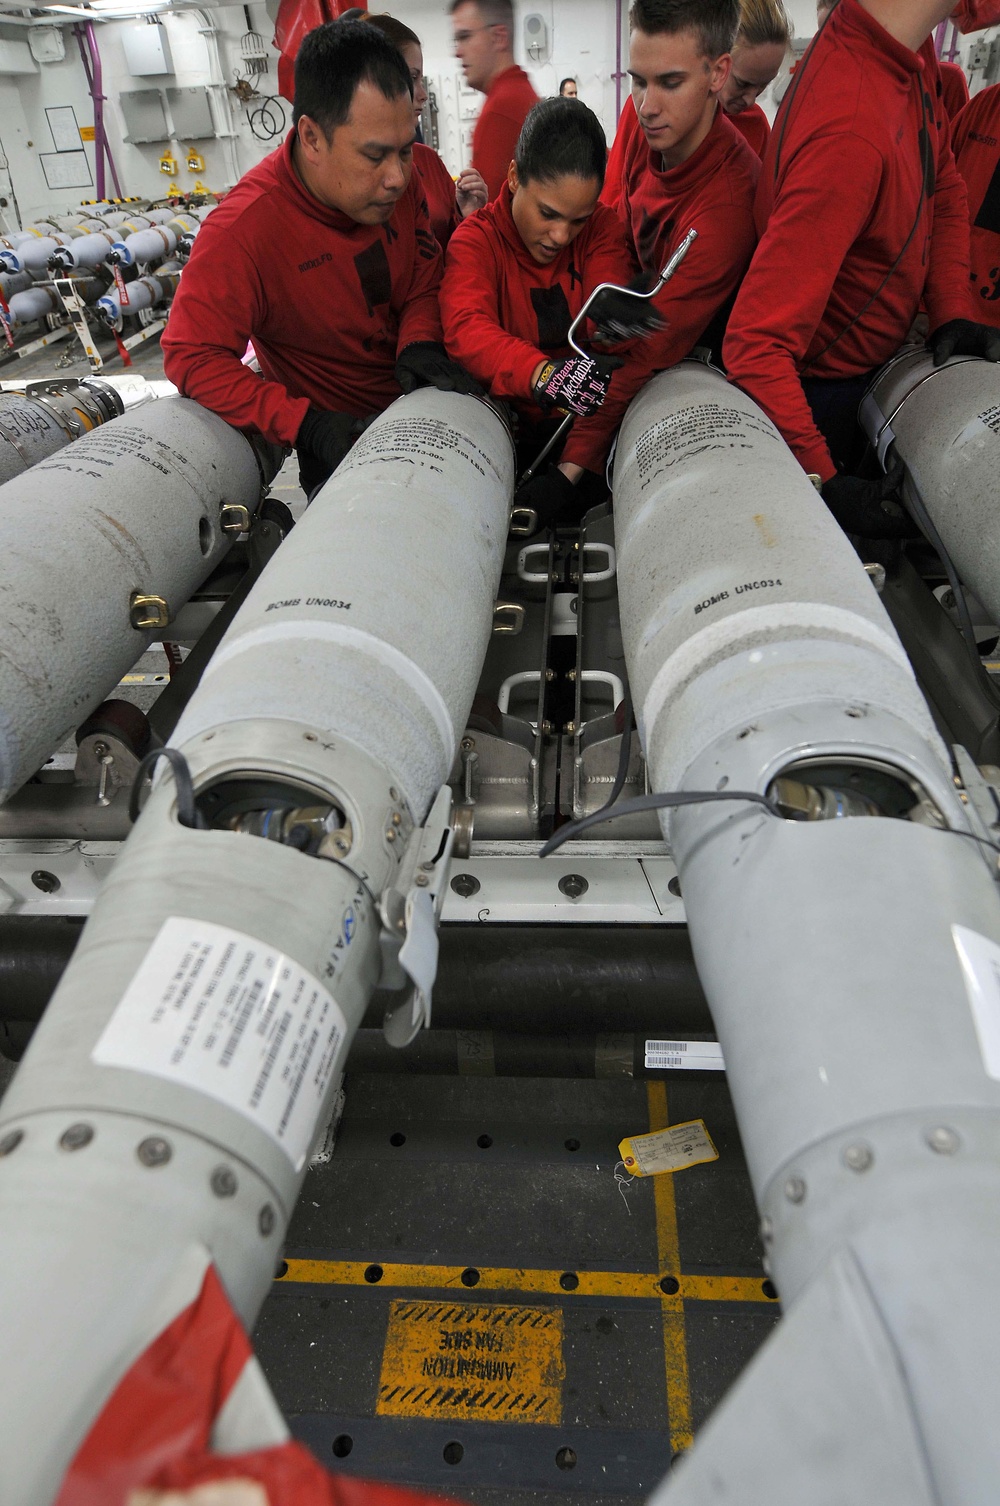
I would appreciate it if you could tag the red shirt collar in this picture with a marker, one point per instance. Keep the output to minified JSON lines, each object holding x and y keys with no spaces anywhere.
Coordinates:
{"x":304,"y":200}
{"x":675,"y":179}
{"x":852,"y":24}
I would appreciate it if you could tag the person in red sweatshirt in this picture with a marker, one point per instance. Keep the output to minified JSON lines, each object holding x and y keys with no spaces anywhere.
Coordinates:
{"x":449,"y":201}
{"x":689,"y":169}
{"x":323,"y":256}
{"x":484,"y":45}
{"x":862,"y":216}
{"x":519,"y":273}
{"x":758,"y":53}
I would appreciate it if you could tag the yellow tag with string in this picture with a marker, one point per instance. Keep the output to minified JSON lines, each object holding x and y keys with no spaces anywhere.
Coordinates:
{"x":672,"y":1149}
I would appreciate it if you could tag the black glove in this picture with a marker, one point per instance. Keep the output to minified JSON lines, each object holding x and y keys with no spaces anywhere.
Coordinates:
{"x":427,"y":364}
{"x":579,"y":384}
{"x":868,"y":508}
{"x":550,"y":495}
{"x":329,"y":436}
{"x":964,"y":337}
{"x":618,"y":314}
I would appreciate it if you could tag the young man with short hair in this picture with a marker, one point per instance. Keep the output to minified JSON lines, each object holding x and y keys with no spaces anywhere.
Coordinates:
{"x":757,"y":53}
{"x":484,"y":45}
{"x":688,"y":169}
{"x":323,"y":257}
{"x":862,"y":216}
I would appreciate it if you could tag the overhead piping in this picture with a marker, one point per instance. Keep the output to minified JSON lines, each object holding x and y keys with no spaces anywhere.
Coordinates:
{"x":91,"y":58}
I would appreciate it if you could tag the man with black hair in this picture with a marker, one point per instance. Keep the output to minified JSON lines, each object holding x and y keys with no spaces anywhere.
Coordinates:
{"x":688,"y":169}
{"x":863,"y":217}
{"x":484,"y":45}
{"x":519,"y":272}
{"x":324,"y":258}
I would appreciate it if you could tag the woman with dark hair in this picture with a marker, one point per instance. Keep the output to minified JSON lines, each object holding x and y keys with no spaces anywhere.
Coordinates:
{"x":449,"y":201}
{"x":520,"y":271}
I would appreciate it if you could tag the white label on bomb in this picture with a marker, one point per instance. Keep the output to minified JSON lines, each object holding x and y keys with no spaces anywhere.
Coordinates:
{"x":236,"y":1019}
{"x":980,"y":959}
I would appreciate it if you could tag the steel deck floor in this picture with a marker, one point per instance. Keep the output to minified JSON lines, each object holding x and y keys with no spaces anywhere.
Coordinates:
{"x":455,"y":1204}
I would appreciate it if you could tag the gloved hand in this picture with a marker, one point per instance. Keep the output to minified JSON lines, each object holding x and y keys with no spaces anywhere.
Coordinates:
{"x":550,"y":495}
{"x":868,"y":508}
{"x":618,"y":314}
{"x":579,"y":384}
{"x":329,"y":436}
{"x":964,"y":337}
{"x":425,"y":363}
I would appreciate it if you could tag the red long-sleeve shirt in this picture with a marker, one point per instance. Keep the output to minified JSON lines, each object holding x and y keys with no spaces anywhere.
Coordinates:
{"x":954,"y":87}
{"x":328,"y":303}
{"x":752,"y":124}
{"x":851,"y":239}
{"x":439,"y":186}
{"x":713,"y":192}
{"x":976,"y":139}
{"x":503,"y":312}
{"x":628,"y":129}
{"x":508,"y":101}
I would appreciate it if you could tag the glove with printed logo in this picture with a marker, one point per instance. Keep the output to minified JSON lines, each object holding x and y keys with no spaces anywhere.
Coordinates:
{"x":619,"y":314}
{"x":329,"y":436}
{"x":964,"y":337}
{"x":869,"y":508}
{"x":425,"y":363}
{"x":579,"y":384}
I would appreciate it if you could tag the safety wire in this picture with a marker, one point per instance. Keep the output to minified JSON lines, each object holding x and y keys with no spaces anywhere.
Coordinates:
{"x":674,"y":799}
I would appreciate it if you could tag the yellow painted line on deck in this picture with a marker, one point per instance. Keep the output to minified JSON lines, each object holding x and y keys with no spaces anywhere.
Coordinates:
{"x":463,"y":1362}
{"x":448,"y":1278}
{"x":669,"y":1256}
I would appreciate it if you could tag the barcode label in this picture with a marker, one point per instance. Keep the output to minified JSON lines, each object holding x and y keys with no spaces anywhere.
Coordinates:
{"x":689,"y":1056}
{"x":233,"y":1018}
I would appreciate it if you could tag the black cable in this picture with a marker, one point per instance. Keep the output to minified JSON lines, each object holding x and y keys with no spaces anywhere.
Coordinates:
{"x":677,"y":798}
{"x":624,"y":753}
{"x":187,"y":810}
{"x":644,"y":803}
{"x":270,"y":116}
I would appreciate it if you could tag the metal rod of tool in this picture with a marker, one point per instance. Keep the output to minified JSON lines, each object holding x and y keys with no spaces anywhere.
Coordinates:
{"x":663,"y":279}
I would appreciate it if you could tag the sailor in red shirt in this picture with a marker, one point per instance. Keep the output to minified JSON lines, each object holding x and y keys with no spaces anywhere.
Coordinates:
{"x":324,"y":257}
{"x":688,"y":169}
{"x":518,"y":274}
{"x":449,"y":201}
{"x":758,"y":53}
{"x":862,"y":216}
{"x":484,"y":45}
